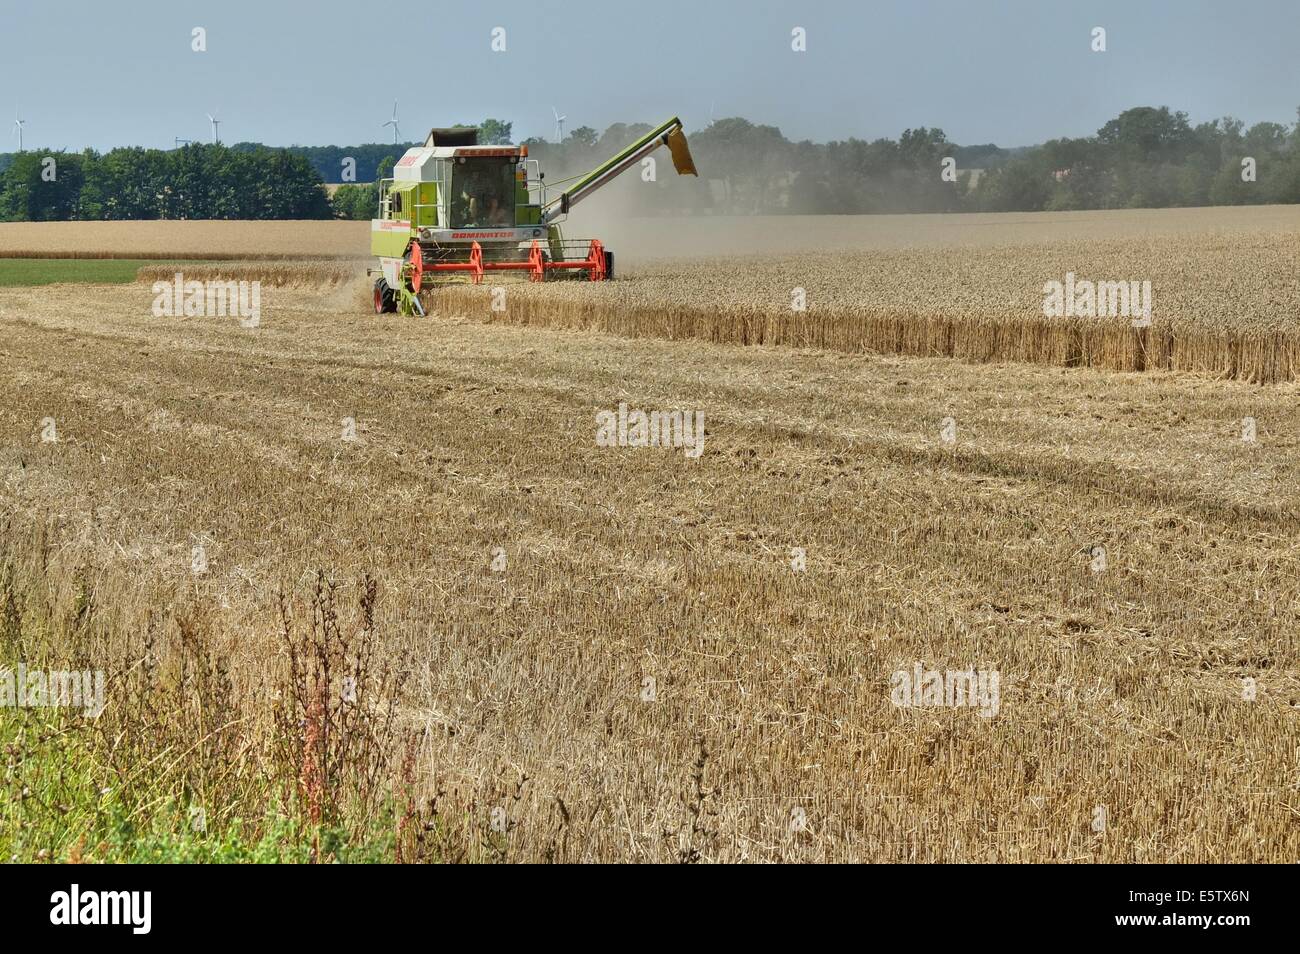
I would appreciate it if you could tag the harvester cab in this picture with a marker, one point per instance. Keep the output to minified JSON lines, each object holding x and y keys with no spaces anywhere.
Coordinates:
{"x":454,"y":208}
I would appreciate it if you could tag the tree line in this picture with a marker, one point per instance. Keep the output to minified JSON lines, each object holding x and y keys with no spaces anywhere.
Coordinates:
{"x":194,"y":182}
{"x":1147,"y":157}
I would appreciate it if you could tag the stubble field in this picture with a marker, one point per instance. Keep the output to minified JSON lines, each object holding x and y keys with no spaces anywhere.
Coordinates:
{"x":579,"y":652}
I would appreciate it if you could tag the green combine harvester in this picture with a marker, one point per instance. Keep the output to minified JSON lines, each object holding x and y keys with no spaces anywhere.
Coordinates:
{"x":454,"y":209}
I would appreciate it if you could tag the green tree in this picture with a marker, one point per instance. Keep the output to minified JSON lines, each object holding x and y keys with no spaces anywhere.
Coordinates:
{"x":1022,"y":185}
{"x":748,"y":158}
{"x":494,"y":132}
{"x":42,"y":187}
{"x":923,"y":148}
{"x":1146,"y":133}
{"x":584,"y":137}
{"x":356,"y":201}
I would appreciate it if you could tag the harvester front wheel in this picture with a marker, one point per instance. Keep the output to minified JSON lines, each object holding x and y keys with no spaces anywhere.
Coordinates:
{"x":385,"y":298}
{"x":609,"y":266}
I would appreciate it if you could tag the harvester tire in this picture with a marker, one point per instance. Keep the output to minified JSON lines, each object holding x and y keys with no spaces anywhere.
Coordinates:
{"x":609,"y":266}
{"x":385,"y":299}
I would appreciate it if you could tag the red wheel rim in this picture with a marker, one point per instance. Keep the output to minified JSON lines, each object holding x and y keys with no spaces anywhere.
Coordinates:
{"x":417,"y":266}
{"x":379,"y":301}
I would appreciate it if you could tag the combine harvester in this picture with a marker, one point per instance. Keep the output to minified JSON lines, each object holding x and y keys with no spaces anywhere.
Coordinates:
{"x":454,"y":206}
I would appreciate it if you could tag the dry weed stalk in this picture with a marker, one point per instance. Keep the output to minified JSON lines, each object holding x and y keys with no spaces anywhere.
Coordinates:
{"x":336,"y":716}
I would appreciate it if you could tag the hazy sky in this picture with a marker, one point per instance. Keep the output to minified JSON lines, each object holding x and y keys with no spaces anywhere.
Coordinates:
{"x":98,"y":73}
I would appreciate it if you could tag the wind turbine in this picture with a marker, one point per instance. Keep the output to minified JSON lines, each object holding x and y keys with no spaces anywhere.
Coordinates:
{"x":559,"y":124}
{"x":393,"y":122}
{"x":216,"y":131}
{"x":18,"y":125}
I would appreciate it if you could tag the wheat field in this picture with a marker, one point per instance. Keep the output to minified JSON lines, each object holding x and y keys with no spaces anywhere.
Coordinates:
{"x":970,"y":286}
{"x":1223,"y":292}
{"x":581,"y":652}
{"x":206,"y":239}
{"x":1221,"y":305}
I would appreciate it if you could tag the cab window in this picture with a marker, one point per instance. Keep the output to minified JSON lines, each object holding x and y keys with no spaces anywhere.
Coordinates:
{"x":483,"y":193}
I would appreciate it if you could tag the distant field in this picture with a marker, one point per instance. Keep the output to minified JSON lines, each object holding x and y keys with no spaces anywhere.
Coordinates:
{"x":181,"y":240}
{"x":37,"y":271}
{"x":668,"y":237}
{"x":16,"y":272}
{"x":637,"y":239}
{"x":1223,"y":289}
